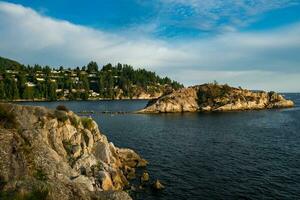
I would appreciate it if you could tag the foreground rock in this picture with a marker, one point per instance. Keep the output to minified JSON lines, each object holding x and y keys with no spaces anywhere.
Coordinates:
{"x":145,"y":177}
{"x":157,"y":185}
{"x":213,"y":97}
{"x":54,"y":154}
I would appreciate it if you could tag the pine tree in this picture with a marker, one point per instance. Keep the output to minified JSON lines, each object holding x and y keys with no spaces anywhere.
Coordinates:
{"x":2,"y":91}
{"x":15,"y":90}
{"x":28,"y":93}
{"x":52,"y":91}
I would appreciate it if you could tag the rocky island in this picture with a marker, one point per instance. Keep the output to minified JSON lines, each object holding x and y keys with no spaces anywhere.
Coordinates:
{"x":213,"y":98}
{"x":55,"y":154}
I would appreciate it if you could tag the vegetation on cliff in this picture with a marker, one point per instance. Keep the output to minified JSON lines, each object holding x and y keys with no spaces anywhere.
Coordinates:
{"x":18,"y":81}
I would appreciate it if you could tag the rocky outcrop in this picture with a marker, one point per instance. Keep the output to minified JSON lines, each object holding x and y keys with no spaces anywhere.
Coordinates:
{"x":157,"y":185}
{"x":55,"y":154}
{"x":140,"y":93}
{"x":213,"y":97}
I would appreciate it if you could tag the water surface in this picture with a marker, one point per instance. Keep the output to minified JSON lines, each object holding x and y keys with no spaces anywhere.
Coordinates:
{"x":236,"y":155}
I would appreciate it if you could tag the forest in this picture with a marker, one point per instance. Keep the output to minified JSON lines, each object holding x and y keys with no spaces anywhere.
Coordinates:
{"x":26,"y":82}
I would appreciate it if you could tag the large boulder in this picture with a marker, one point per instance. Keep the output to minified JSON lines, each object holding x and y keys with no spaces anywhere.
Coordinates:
{"x":105,"y":179}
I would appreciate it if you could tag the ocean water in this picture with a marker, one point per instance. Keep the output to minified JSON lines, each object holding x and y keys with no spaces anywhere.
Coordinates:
{"x":235,"y":155}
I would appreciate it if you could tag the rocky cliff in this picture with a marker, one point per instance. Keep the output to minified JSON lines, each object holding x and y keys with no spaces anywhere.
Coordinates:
{"x":55,"y":154}
{"x":214,"y":97}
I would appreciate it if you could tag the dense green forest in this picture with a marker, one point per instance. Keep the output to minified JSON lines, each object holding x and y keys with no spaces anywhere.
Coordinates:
{"x":37,"y":82}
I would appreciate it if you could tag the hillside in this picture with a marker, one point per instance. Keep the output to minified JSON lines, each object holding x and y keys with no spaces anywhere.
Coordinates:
{"x":6,"y":63}
{"x":19,"y":82}
{"x":214,"y":97}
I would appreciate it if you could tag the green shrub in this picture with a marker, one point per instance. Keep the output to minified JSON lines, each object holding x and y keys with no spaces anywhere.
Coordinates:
{"x":40,"y":175}
{"x":86,"y":138}
{"x":62,"y":108}
{"x":74,"y":121}
{"x":2,"y":182}
{"x":68,"y":146}
{"x":201,"y":97}
{"x":7,"y":119}
{"x":35,"y":194}
{"x":215,"y":91}
{"x":87,"y":122}
{"x":226,"y":88}
{"x":71,"y":160}
{"x":38,"y":194}
{"x":61,"y":115}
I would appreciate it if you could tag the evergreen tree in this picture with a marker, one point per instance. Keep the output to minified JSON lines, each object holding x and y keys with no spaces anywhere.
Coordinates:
{"x":21,"y":84}
{"x":101,"y":85}
{"x":28,"y":93}
{"x":8,"y":82}
{"x":92,"y":67}
{"x":2,"y":90}
{"x":15,"y":90}
{"x":52,"y":91}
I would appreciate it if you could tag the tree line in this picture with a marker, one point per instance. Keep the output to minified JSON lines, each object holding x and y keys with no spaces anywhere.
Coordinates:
{"x":18,"y":81}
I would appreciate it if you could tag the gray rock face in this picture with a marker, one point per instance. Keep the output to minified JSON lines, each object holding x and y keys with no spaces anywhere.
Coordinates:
{"x":213,"y":97}
{"x":58,"y":155}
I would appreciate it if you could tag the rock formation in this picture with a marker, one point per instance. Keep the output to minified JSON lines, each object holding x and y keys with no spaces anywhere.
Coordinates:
{"x":157,"y":185}
{"x":214,"y":97}
{"x":55,"y":154}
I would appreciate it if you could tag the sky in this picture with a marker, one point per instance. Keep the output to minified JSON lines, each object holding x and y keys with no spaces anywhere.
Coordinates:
{"x":250,"y":43}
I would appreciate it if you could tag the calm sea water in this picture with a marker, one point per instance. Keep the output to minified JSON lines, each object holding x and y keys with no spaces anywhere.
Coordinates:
{"x":237,"y":155}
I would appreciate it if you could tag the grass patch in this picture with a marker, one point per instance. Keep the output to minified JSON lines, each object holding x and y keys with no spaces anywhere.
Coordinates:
{"x":87,"y":122}
{"x":69,"y":149}
{"x":40,"y":175}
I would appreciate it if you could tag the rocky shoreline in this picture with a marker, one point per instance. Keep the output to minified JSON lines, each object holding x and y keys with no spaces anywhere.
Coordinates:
{"x":148,"y":97}
{"x":55,"y":154}
{"x":215,"y":98}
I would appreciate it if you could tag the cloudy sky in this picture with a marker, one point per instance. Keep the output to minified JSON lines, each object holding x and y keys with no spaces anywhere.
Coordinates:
{"x":248,"y":43}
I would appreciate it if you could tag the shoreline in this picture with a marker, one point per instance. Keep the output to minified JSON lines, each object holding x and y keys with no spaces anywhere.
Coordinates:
{"x":64,"y":100}
{"x":96,"y":99}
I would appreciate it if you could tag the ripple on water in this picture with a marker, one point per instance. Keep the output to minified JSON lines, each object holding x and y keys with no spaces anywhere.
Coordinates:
{"x":239,"y":155}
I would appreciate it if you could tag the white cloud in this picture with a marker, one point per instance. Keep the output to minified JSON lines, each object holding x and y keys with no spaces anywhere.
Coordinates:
{"x":217,"y":14}
{"x":253,"y":79}
{"x":28,"y":36}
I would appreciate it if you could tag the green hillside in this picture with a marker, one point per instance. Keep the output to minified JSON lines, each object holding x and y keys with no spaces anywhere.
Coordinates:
{"x":122,"y":81}
{"x":6,"y":63}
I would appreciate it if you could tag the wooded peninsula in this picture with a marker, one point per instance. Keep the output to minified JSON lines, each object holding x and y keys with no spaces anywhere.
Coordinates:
{"x":42,"y":83}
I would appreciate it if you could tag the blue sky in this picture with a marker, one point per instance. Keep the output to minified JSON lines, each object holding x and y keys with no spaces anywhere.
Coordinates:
{"x":172,"y":18}
{"x":249,"y":43}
